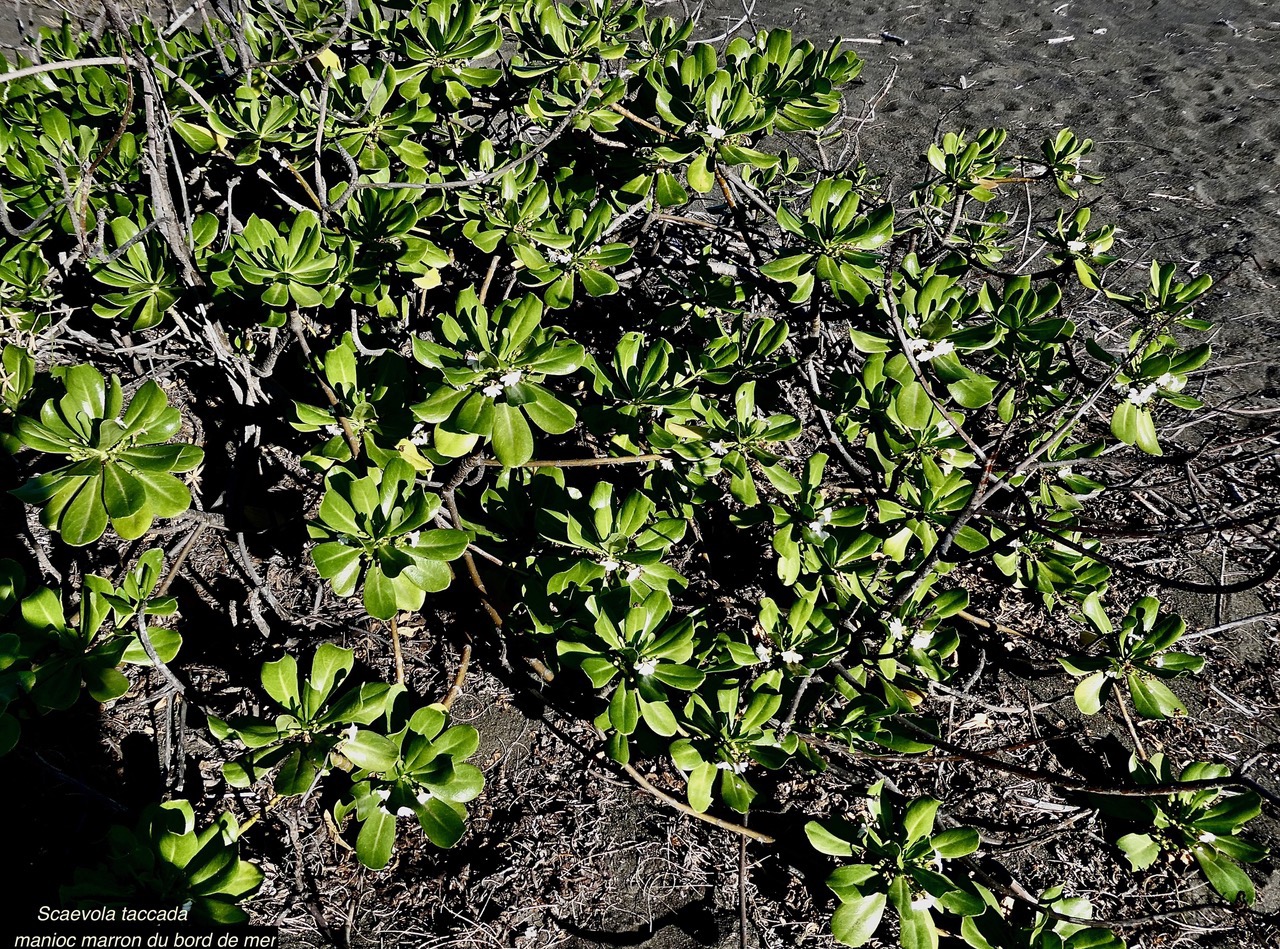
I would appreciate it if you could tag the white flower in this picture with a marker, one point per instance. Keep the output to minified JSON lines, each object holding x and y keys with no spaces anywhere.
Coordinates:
{"x":1141,"y":396}
{"x":473,"y":360}
{"x":1207,"y":837}
{"x":942,"y":347}
{"x":423,"y":797}
{"x":412,"y":538}
{"x":666,"y":464}
{"x":382,"y":794}
{"x":610,"y":565}
{"x":1157,"y":661}
{"x":1077,"y":246}
{"x":511,"y":377}
{"x":737,"y":767}
{"x":559,"y":257}
{"x":819,"y":530}
{"x":493,"y":390}
{"x":763,"y":652}
{"x":634,"y":574}
{"x":350,"y":733}
{"x":1112,"y":674}
{"x":419,"y":437}
{"x":921,"y":640}
{"x":404,"y":812}
{"x":825,"y":515}
{"x":792,"y":656}
{"x":719,"y":447}
{"x":897,"y":629}
{"x":645,"y":667}
{"x":714,"y":132}
{"x":917,"y":346}
{"x":923,"y":902}
{"x":333,"y":429}
{"x":1171,"y":383}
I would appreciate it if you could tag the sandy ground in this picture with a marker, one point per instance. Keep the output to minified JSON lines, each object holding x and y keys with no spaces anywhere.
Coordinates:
{"x":1181,"y":100}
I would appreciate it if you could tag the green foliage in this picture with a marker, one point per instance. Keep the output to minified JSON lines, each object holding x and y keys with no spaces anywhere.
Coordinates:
{"x":818,"y":416}
{"x":1136,"y":655}
{"x":121,"y":471}
{"x":165,"y":860}
{"x":374,"y":541}
{"x":903,"y":864}
{"x":1205,"y":823}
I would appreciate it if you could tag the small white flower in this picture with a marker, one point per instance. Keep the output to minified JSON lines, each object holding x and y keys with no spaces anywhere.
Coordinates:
{"x":420,"y":437}
{"x":412,"y":538}
{"x":382,"y":794}
{"x":473,"y":360}
{"x":559,"y":257}
{"x":792,"y":656}
{"x":512,"y":377}
{"x":942,"y":347}
{"x":1112,"y":674}
{"x":493,"y":390}
{"x":1170,"y":383}
{"x":897,"y":629}
{"x":763,"y":652}
{"x":1066,"y":471}
{"x":825,"y":515}
{"x":404,"y":812}
{"x":917,"y":346}
{"x":1207,"y":837}
{"x":923,"y":902}
{"x":921,"y":641}
{"x":819,"y":530}
{"x":666,"y":464}
{"x":350,"y":733}
{"x":1077,"y":247}
{"x":714,"y":132}
{"x":1141,"y":396}
{"x":634,"y":574}
{"x":645,"y":667}
{"x":423,"y":797}
{"x":1157,"y":661}
{"x":719,"y":447}
{"x":610,"y":565}
{"x":737,"y":767}
{"x":333,"y":429}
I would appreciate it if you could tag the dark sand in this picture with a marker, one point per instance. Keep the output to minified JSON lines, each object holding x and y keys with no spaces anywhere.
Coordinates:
{"x":1181,"y":100}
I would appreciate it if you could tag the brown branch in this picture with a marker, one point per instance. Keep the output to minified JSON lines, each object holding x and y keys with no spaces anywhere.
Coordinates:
{"x":456,"y":689}
{"x":575,"y":462}
{"x":684,"y":808}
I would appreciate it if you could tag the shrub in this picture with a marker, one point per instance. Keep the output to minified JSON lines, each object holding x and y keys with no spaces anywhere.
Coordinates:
{"x":765,"y":375}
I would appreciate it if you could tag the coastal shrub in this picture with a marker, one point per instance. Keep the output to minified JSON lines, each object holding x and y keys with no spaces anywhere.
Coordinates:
{"x":609,"y":336}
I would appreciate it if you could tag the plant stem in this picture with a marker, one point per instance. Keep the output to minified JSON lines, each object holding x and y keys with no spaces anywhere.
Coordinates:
{"x":456,"y":689}
{"x":577,"y":462}
{"x":395,"y":649}
{"x":684,"y":808}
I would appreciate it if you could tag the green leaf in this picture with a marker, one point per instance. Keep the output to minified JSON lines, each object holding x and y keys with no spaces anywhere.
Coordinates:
{"x":826,"y":841}
{"x":280,"y":679}
{"x":701,"y":781}
{"x":913,"y":406}
{"x":377,"y":839}
{"x":370,"y":751}
{"x":512,"y":440}
{"x":669,"y":192}
{"x":855,"y":922}
{"x":440,"y":822}
{"x":958,"y":842}
{"x":1224,"y":875}
{"x":918,"y":820}
{"x":1140,"y":849}
{"x":700,"y":177}
{"x":1089,"y":693}
{"x":1152,"y":698}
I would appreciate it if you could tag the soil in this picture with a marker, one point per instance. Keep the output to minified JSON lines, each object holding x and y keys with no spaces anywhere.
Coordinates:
{"x":562,"y":851}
